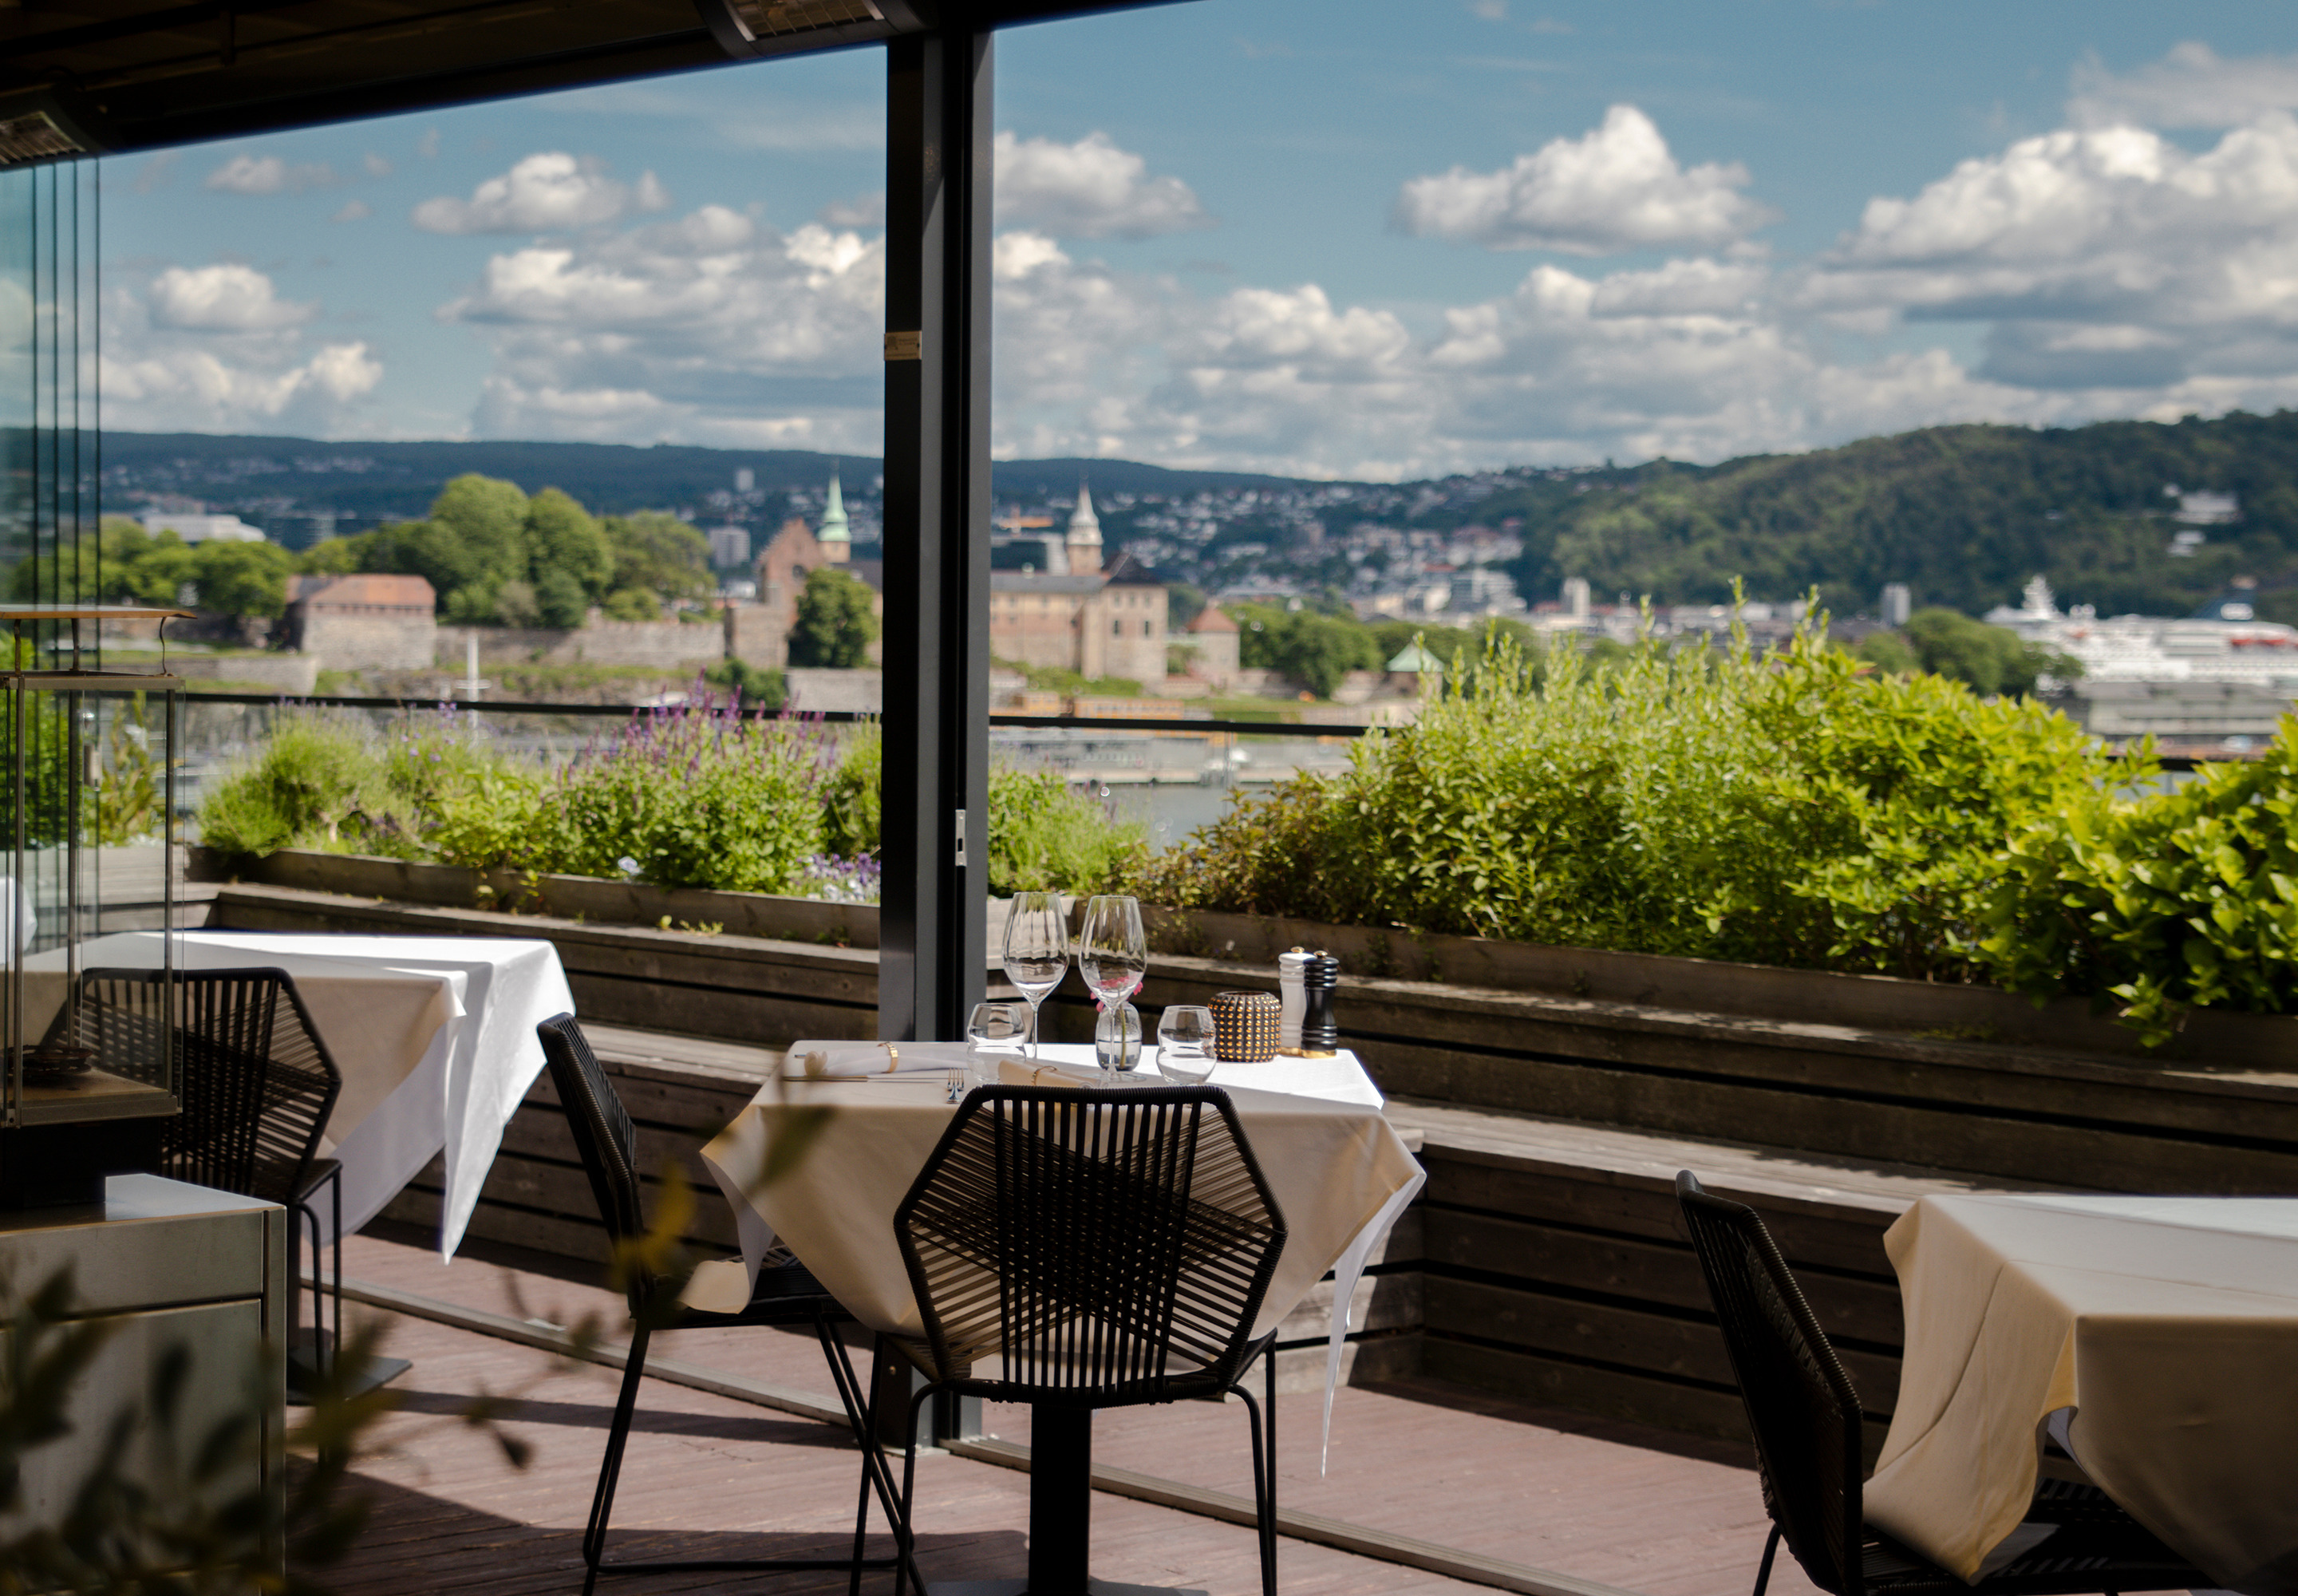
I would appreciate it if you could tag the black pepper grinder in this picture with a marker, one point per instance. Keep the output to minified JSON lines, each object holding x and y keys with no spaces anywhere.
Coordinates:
{"x":1320,"y":1030}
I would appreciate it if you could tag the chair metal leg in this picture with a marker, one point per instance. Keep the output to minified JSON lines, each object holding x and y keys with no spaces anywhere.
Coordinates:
{"x":610,"y":1467}
{"x":1771,"y":1550}
{"x":907,"y":1538}
{"x":1269,"y":1430}
{"x":875,"y":1473}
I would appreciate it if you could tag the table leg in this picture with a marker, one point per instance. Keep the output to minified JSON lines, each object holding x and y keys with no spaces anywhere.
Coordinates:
{"x":1061,"y":1499}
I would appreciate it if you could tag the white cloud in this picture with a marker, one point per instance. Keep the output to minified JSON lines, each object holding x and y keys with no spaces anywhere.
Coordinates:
{"x":1089,"y":189}
{"x":357,"y":210}
{"x":1615,"y":187}
{"x":376,"y":166}
{"x":548,"y":192}
{"x":427,"y":146}
{"x":2192,"y":86}
{"x":2102,"y":257}
{"x":214,"y":349}
{"x":268,"y":175}
{"x":229,"y":298}
{"x":863,"y":211}
{"x":709,"y":327}
{"x":2098,"y":271}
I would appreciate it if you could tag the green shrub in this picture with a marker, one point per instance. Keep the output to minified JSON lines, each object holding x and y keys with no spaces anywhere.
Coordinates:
{"x":1703,"y":802}
{"x":696,"y":797}
{"x":320,"y":782}
{"x":850,"y":797}
{"x":1043,"y":837}
{"x":2170,"y":902}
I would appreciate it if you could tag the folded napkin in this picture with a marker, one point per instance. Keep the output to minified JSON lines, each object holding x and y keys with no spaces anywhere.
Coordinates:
{"x":857,"y":1060}
{"x":1022,"y":1072}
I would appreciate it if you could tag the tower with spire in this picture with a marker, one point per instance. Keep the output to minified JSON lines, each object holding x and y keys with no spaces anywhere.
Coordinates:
{"x":836,"y":538}
{"x":1084,"y":542}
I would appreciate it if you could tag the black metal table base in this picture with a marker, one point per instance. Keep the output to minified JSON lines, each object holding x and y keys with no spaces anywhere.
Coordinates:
{"x":307,"y":1354}
{"x":1060,"y":1517}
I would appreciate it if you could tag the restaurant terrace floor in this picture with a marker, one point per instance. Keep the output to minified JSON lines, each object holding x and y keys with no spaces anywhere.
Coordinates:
{"x":1524,"y":1498}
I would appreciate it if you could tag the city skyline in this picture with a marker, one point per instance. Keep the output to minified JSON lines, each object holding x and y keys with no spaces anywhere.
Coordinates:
{"x":1235,"y":235}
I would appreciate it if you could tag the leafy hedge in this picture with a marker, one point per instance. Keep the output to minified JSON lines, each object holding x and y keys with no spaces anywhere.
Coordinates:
{"x":1791,"y":809}
{"x":700,"y":796}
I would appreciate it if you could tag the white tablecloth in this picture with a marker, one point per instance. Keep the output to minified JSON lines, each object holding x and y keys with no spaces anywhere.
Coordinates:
{"x":2157,"y":1336}
{"x":1340,"y":1174}
{"x":434,"y":1037}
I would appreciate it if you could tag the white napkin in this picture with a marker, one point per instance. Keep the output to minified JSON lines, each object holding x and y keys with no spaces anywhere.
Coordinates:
{"x":851,"y":1061}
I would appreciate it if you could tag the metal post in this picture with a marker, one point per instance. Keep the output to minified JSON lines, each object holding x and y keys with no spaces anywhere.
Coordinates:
{"x":931,"y":954}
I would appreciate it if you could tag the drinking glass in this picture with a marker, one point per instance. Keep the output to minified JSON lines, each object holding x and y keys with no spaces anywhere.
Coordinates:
{"x":1185,"y":1040}
{"x":994,"y":1028}
{"x":1037,"y":951}
{"x":1113,"y":953}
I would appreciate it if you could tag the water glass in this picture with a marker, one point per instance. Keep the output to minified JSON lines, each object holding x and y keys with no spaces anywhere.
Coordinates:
{"x":1036,"y":950}
{"x":1185,"y":1040}
{"x":995,"y":1029}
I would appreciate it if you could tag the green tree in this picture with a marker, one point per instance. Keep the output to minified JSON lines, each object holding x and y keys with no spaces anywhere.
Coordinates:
{"x":1988,"y":659}
{"x":835,"y":625}
{"x":332,"y":557}
{"x":489,"y":515}
{"x":431,"y":549}
{"x":1889,"y":653}
{"x":560,"y":599}
{"x":659,"y":553}
{"x":241,"y":579}
{"x":1315,"y":650}
{"x":633,"y":604}
{"x":563,"y":537}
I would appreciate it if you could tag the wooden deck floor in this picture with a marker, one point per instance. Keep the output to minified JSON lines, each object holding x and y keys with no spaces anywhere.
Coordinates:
{"x":716,"y":1478}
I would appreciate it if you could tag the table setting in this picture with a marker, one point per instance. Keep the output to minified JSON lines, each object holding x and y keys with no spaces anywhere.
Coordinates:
{"x":1338,"y":1170}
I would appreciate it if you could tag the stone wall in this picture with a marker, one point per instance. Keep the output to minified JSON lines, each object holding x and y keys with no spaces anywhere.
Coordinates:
{"x":666,"y":645}
{"x":354,"y":642}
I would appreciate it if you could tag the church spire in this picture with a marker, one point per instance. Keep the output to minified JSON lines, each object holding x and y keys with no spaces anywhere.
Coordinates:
{"x":1085,"y":534}
{"x":836,"y":538}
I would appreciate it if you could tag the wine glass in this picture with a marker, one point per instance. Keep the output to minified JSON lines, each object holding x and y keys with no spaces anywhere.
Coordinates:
{"x":1037,"y":951}
{"x":1185,"y":1040}
{"x":1113,"y":953}
{"x":994,"y":1028}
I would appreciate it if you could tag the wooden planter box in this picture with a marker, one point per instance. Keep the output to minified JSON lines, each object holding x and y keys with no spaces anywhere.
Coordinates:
{"x":589,"y":899}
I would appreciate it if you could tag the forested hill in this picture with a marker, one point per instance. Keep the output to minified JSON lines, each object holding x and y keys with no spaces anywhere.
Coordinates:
{"x":1963,"y":515}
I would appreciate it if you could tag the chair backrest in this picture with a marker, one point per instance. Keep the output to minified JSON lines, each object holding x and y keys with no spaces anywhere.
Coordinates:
{"x":604,"y":1137}
{"x":1800,"y":1403}
{"x":1105,"y":1242}
{"x":254,"y":1081}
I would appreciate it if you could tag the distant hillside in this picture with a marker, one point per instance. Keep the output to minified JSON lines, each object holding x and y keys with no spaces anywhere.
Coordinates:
{"x":1963,"y":515}
{"x":368,"y":481}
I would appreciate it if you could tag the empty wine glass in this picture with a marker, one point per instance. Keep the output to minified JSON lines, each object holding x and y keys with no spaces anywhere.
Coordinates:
{"x":1037,"y":951}
{"x":1113,"y":953}
{"x":1185,"y":1040}
{"x":994,"y":1028}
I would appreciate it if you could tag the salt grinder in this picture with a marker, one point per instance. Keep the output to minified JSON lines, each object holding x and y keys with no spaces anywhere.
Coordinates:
{"x":1320,"y":1030}
{"x":1291,"y":967}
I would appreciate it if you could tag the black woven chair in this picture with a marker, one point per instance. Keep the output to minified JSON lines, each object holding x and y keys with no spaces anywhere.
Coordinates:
{"x":256,"y":1084}
{"x":785,"y":1295}
{"x":1806,"y":1417}
{"x":1111,"y":1247}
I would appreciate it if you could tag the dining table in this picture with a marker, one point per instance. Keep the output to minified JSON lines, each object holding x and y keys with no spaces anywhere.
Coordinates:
{"x":2154,"y":1339}
{"x":1339,"y":1171}
{"x":433,"y":1036}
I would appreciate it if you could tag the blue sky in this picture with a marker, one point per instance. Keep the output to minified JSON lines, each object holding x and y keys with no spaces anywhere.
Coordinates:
{"x":1339,"y":238}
